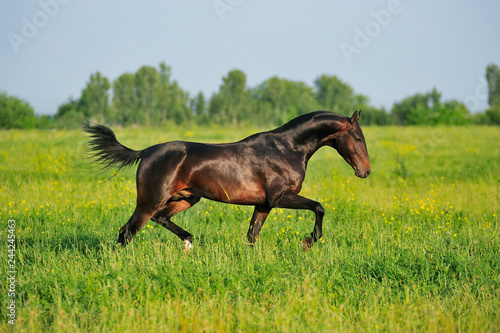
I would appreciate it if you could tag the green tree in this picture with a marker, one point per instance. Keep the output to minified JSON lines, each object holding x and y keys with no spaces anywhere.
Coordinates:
{"x":163,"y":93}
{"x":371,"y":115}
{"x":411,"y":110}
{"x":15,"y":113}
{"x":232,"y":92}
{"x":45,"y":121}
{"x":149,"y":97}
{"x":493,"y":79}
{"x":71,"y":105}
{"x":416,"y":109}
{"x":274,"y":91}
{"x":333,"y":94}
{"x":146,"y":81}
{"x":300,"y":99}
{"x":492,"y":116}
{"x":427,"y":109}
{"x":70,"y":114}
{"x":216,"y":109}
{"x":198,"y":105}
{"x":270,"y":103}
{"x":454,"y":112}
{"x":178,"y":106}
{"x":95,"y":97}
{"x":279,"y":100}
{"x":125,"y":99}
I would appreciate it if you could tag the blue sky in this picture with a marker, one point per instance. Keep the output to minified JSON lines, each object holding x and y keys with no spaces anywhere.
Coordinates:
{"x":386,"y":50}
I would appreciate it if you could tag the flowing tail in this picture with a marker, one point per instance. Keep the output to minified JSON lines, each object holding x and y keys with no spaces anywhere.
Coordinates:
{"x":107,"y":151}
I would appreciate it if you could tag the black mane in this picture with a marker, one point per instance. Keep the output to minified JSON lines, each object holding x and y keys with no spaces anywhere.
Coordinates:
{"x":304,"y":119}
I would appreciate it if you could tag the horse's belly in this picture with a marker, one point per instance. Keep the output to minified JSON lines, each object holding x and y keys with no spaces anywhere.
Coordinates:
{"x":230,"y":188}
{"x":247,"y":194}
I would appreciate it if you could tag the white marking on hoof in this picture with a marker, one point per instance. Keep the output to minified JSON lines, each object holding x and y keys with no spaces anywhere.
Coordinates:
{"x":188,"y":245}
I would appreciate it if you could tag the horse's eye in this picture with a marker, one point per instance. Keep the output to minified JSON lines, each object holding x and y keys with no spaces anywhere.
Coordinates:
{"x":357,"y":139}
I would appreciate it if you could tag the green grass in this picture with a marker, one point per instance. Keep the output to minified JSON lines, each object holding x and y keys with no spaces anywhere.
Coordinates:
{"x":414,"y":247}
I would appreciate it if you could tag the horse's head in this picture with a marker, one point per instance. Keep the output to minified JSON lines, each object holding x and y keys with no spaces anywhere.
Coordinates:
{"x":352,"y":147}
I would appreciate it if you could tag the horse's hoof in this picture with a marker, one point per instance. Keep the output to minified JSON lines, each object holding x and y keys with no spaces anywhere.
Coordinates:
{"x":187,"y":246}
{"x":307,"y":244}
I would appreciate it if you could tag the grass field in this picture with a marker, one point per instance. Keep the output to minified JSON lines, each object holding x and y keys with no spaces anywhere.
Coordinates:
{"x":414,"y":247}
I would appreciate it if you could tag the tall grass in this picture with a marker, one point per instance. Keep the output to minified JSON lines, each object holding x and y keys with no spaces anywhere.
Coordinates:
{"x":414,"y":247}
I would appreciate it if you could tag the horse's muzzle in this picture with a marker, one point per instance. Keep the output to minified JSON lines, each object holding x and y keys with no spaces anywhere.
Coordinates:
{"x":362,"y":174}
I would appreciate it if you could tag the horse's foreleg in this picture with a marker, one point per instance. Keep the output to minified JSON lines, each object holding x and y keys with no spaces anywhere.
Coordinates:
{"x":258,"y":218}
{"x":295,"y":201}
{"x":163,"y":216}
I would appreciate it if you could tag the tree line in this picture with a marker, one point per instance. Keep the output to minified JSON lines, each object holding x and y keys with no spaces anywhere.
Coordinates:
{"x":149,"y":97}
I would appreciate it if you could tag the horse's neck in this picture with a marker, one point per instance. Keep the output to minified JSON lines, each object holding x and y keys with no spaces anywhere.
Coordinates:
{"x":313,"y":134}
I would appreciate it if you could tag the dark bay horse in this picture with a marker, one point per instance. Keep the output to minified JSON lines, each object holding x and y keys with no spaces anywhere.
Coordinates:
{"x":265,"y":170}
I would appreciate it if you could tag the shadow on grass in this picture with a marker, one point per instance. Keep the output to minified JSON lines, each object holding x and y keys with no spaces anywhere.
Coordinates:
{"x":78,"y":242}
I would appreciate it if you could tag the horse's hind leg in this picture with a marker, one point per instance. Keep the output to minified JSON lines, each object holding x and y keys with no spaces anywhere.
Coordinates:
{"x":134,"y":224}
{"x":171,"y":208}
{"x":258,"y":218}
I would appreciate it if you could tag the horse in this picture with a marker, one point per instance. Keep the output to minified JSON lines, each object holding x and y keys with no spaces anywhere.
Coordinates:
{"x":265,"y":170}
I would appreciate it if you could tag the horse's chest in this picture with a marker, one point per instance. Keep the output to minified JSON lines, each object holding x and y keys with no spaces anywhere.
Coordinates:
{"x":289,"y":176}
{"x":295,"y":181}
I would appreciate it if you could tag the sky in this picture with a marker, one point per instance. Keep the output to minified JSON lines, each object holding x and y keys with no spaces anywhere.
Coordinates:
{"x":386,"y":50}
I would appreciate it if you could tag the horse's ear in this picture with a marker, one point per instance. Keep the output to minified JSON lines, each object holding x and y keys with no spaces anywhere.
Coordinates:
{"x":355,"y":117}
